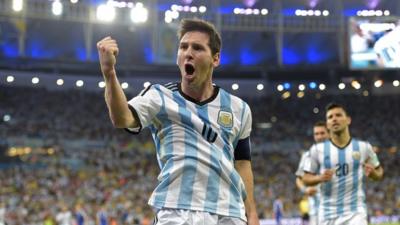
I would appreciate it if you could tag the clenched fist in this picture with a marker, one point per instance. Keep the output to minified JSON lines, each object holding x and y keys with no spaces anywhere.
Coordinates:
{"x":108,"y":50}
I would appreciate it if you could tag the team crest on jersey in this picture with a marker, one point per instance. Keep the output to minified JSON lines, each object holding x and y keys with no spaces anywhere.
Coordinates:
{"x":225,"y":118}
{"x":356,"y":155}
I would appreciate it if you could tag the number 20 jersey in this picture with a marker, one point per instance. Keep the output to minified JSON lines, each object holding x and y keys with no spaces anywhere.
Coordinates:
{"x":344,"y":194}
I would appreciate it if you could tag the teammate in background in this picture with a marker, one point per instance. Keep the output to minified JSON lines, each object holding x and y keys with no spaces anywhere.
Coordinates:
{"x":201,"y":134}
{"x":320,"y":134}
{"x":387,"y":48}
{"x":340,"y":165}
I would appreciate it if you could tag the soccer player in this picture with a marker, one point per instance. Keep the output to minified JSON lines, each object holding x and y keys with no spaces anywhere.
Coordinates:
{"x":387,"y":48}
{"x":320,"y":134}
{"x":340,"y":165}
{"x":201,"y":134}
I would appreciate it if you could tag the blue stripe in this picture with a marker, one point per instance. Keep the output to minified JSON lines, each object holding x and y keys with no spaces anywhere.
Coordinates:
{"x":164,"y":158}
{"x":356,"y":168}
{"x":226,"y":105}
{"x":190,"y":156}
{"x":327,"y":186}
{"x":235,"y":195}
{"x":341,"y":183}
{"x":211,"y":201}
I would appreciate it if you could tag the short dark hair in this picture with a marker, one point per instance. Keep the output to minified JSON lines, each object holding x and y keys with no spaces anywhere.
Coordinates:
{"x":333,"y":105}
{"x":188,"y":25}
{"x":320,"y":124}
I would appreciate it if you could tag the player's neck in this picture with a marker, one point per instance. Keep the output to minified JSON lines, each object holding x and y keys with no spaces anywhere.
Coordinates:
{"x":341,"y":139}
{"x":199,"y":93}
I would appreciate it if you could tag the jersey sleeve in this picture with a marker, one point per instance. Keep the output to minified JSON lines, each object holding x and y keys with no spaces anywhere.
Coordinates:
{"x":145,"y":107}
{"x":311,"y":164}
{"x":372,"y":158}
{"x":247,"y":121}
{"x":300,"y":168}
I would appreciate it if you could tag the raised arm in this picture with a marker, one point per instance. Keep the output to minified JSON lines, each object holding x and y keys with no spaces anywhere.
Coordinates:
{"x":117,"y":105}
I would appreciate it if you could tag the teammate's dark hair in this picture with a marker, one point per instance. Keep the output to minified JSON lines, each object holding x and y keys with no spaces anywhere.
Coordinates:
{"x":214,"y":42}
{"x":333,"y":105}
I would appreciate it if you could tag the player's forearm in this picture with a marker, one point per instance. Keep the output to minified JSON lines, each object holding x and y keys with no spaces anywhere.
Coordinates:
{"x":311,"y":179}
{"x":376,"y":174}
{"x":119,"y":112}
{"x":244,"y":169}
{"x":300,"y":184}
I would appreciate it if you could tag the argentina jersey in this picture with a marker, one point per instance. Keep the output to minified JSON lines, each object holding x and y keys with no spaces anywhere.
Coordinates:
{"x":313,"y":201}
{"x":344,"y":193}
{"x":388,"y":48}
{"x":195,"y":145}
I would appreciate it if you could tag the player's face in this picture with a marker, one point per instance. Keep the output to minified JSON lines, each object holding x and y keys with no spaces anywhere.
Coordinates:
{"x":320,"y":133}
{"x":337,"y":120}
{"x":195,"y":59}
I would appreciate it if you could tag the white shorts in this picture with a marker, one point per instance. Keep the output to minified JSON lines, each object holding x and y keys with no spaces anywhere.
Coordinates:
{"x":313,"y":220}
{"x":350,"y":219}
{"x":188,"y":217}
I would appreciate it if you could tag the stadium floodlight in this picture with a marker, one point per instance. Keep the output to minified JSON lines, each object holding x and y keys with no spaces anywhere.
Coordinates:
{"x":396,"y":83}
{"x":355,"y":84}
{"x":57,"y":7}
{"x":79,"y":83}
{"x":286,"y":95}
{"x":378,"y":83}
{"x":235,"y":86}
{"x":17,"y":5}
{"x":312,"y":85}
{"x":300,"y":94}
{"x":279,"y":87}
{"x":322,"y":87}
{"x":302,"y":87}
{"x":35,"y":80}
{"x":6,"y":118}
{"x":10,"y":79}
{"x":124,"y":85}
{"x":325,"y":13}
{"x":342,"y":86}
{"x":102,"y":84}
{"x":365,"y":93}
{"x":264,"y":12}
{"x":260,"y":87}
{"x":315,"y":110}
{"x":105,"y":13}
{"x":60,"y":82}
{"x":139,"y":14}
{"x":146,"y":84}
{"x":202,"y":9}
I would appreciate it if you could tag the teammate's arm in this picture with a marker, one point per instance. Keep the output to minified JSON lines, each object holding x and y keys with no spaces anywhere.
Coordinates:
{"x":310,"y":191}
{"x":243,"y":167}
{"x":373,"y":173}
{"x":117,"y":105}
{"x":314,"y":179}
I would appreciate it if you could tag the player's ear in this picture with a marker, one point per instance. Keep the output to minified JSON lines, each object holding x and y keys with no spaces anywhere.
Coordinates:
{"x":348,"y":120}
{"x":216,"y":59}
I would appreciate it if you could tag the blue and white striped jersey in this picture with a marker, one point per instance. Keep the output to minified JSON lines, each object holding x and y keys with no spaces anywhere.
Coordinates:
{"x":313,"y":201}
{"x":195,"y":145}
{"x":344,"y":193}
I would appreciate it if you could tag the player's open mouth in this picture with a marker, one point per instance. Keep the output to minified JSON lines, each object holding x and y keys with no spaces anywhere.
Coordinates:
{"x":189,"y":69}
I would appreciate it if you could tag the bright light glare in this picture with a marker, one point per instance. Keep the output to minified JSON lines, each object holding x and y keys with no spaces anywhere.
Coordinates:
{"x":102,"y":84}
{"x":260,"y":87}
{"x":17,"y":5}
{"x":10,"y":79}
{"x":60,"y":82}
{"x":105,"y":13}
{"x":235,"y":86}
{"x":139,"y":14}
{"x":124,"y":85}
{"x":35,"y":80}
{"x":79,"y":83}
{"x":57,"y":8}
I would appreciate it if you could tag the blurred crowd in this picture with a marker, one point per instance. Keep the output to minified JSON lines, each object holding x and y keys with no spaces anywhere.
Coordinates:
{"x":109,"y":174}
